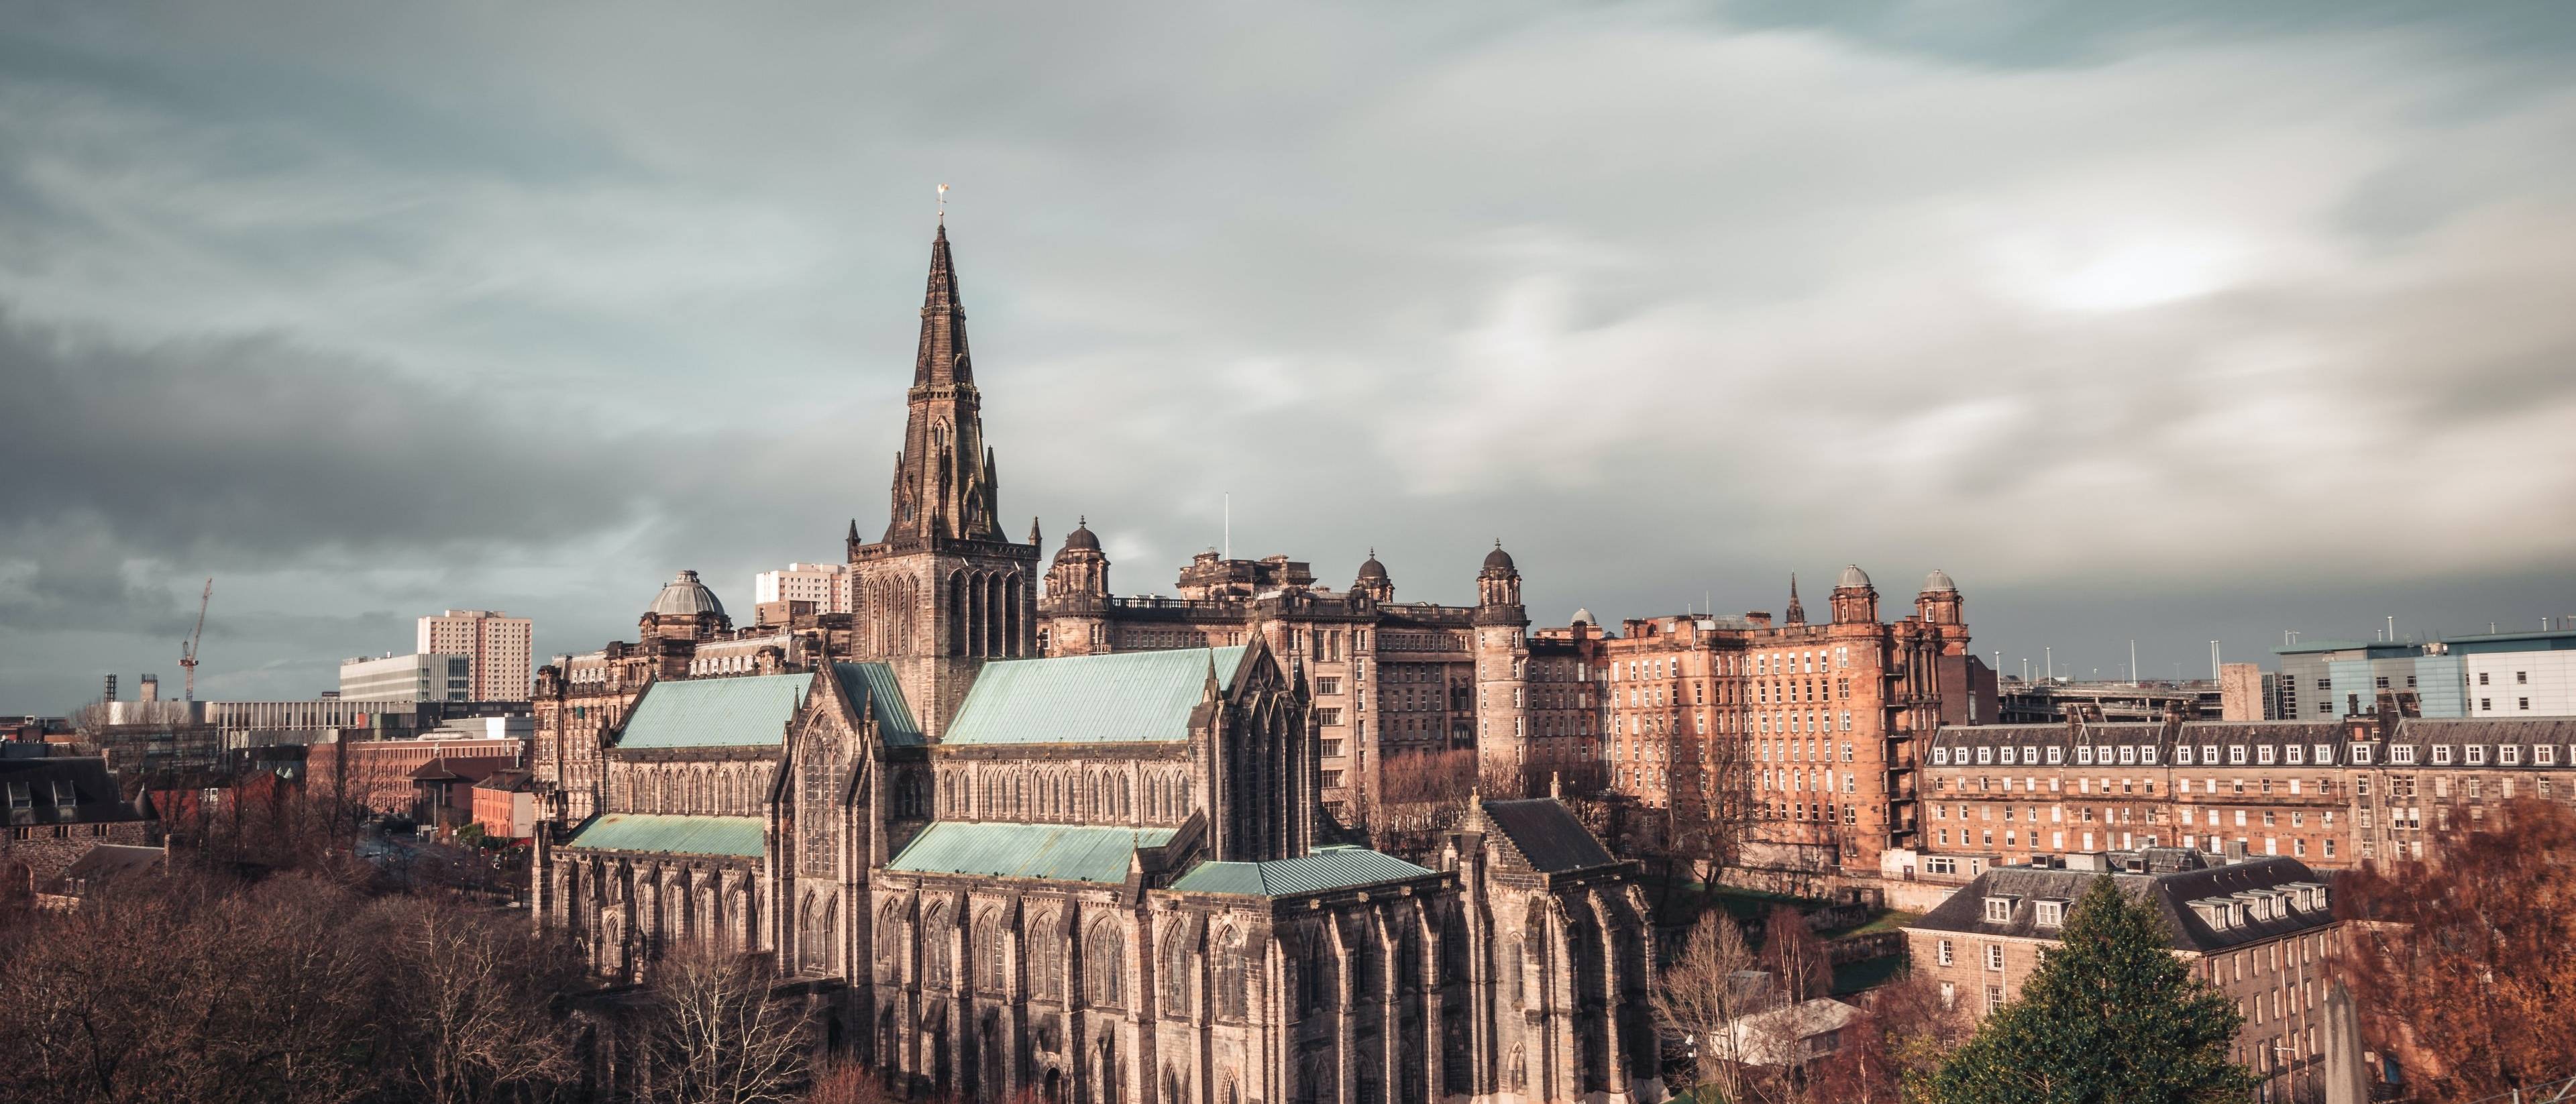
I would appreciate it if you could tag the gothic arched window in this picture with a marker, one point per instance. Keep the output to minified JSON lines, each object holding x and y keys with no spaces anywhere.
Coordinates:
{"x":1046,"y":956}
{"x":935,"y":963}
{"x":1102,"y":968}
{"x":1232,"y":973}
{"x":988,"y":951}
{"x":1175,"y":970}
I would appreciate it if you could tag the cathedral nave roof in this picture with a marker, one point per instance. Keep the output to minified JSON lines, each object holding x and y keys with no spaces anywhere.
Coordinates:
{"x":1325,"y":868}
{"x":1117,"y":698}
{"x":1056,"y":852}
{"x":748,"y":711}
{"x":665,"y":834}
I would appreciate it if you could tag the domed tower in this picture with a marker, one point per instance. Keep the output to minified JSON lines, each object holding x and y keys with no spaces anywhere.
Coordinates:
{"x":1797,"y":614}
{"x":1373,"y":581}
{"x":1855,"y":601}
{"x":1502,"y":661}
{"x":1939,"y":604}
{"x":1499,"y":584}
{"x":1076,"y":606}
{"x":685,"y":610}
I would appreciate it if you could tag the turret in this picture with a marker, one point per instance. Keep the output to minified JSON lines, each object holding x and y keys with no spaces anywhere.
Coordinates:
{"x":1855,"y":601}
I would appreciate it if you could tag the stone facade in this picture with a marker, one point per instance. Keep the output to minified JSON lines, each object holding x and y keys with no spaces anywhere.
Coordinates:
{"x":57,"y":809}
{"x":1101,"y":872}
{"x":1389,"y":678}
{"x":2262,"y":932}
{"x":2328,"y":793}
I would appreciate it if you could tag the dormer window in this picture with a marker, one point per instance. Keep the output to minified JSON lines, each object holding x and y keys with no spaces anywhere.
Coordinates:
{"x":2544,"y":755}
{"x":2476,"y":754}
{"x":1940,"y":757}
{"x":2147,"y":755}
{"x":63,"y":795}
{"x":2209,"y":754}
{"x":2294,"y":755}
{"x":2084,"y":755}
{"x":1985,"y":755}
{"x":2236,"y":754}
{"x":1999,"y":910}
{"x":2441,"y":755}
{"x":2008,"y":757}
{"x":2128,"y":755}
{"x":2049,"y":914}
{"x":2509,"y":755}
{"x":2325,"y":755}
{"x":2263,"y":754}
{"x":2182,"y":755}
{"x":2361,"y":755}
{"x":19,"y":797}
{"x":2056,"y":755}
{"x":2030,"y":756}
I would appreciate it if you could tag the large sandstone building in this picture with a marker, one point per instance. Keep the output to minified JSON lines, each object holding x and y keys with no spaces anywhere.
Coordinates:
{"x":1817,"y":730}
{"x":1104,"y":873}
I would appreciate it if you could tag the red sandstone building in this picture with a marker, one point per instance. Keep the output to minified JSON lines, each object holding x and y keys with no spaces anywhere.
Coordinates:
{"x":1821,"y":724}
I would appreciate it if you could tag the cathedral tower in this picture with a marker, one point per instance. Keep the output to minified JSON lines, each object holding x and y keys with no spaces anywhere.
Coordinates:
{"x":943,"y":590}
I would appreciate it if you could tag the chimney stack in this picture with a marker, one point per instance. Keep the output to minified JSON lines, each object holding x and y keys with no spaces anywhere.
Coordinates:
{"x":111,"y":689}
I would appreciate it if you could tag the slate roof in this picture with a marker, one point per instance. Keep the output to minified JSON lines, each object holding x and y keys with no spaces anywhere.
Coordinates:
{"x":749,"y":711}
{"x":665,"y":834}
{"x":1056,"y":852}
{"x":2169,"y":894}
{"x":1547,"y":834}
{"x":95,"y":798}
{"x":2525,"y":731}
{"x":875,"y":684}
{"x":1323,"y":869}
{"x":107,"y":861}
{"x":1121,"y":697}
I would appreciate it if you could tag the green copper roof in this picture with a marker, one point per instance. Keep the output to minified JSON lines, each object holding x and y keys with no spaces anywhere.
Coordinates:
{"x":720,"y":712}
{"x":875,"y":683}
{"x":671,"y":835}
{"x":1062,"y":852}
{"x":1126,"y":696}
{"x":1326,"y":868}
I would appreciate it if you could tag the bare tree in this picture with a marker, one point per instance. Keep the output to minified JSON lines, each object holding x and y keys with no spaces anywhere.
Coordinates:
{"x":715,"y":1036}
{"x":1796,"y":958}
{"x":470,"y":1000}
{"x":1702,"y":992}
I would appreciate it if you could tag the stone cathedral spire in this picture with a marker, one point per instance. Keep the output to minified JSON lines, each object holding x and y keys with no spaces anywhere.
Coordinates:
{"x":945,"y":485}
{"x":1797,"y":614}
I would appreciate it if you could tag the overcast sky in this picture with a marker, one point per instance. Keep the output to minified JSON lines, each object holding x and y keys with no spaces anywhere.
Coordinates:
{"x":2167,"y":326}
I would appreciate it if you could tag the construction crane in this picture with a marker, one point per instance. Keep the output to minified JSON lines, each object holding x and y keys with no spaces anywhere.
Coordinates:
{"x":188,"y":647}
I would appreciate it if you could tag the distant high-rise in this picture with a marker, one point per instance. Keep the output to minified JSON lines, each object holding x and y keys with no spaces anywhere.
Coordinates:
{"x":418,"y":677}
{"x":498,"y":644}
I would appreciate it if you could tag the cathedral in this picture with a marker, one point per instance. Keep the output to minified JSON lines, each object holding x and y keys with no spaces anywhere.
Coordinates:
{"x":1100,"y":872}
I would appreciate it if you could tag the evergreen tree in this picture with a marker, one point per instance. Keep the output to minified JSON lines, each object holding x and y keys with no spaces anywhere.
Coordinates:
{"x":2110,"y":1017}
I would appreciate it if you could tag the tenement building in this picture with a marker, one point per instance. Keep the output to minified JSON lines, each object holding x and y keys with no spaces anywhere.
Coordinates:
{"x":2260,"y":931}
{"x":1101,"y":876}
{"x":2329,"y":793}
{"x":1825,"y":720}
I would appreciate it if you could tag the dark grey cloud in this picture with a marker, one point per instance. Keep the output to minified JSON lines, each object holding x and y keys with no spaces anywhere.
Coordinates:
{"x":2176,"y":321}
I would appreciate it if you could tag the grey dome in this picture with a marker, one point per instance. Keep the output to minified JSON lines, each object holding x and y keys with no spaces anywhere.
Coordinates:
{"x":1498,"y":559}
{"x":1938,"y":581}
{"x":1371,"y":570}
{"x":1852,"y":576}
{"x":685,"y":596}
{"x":1584,"y":617}
{"x":1081,"y":537}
